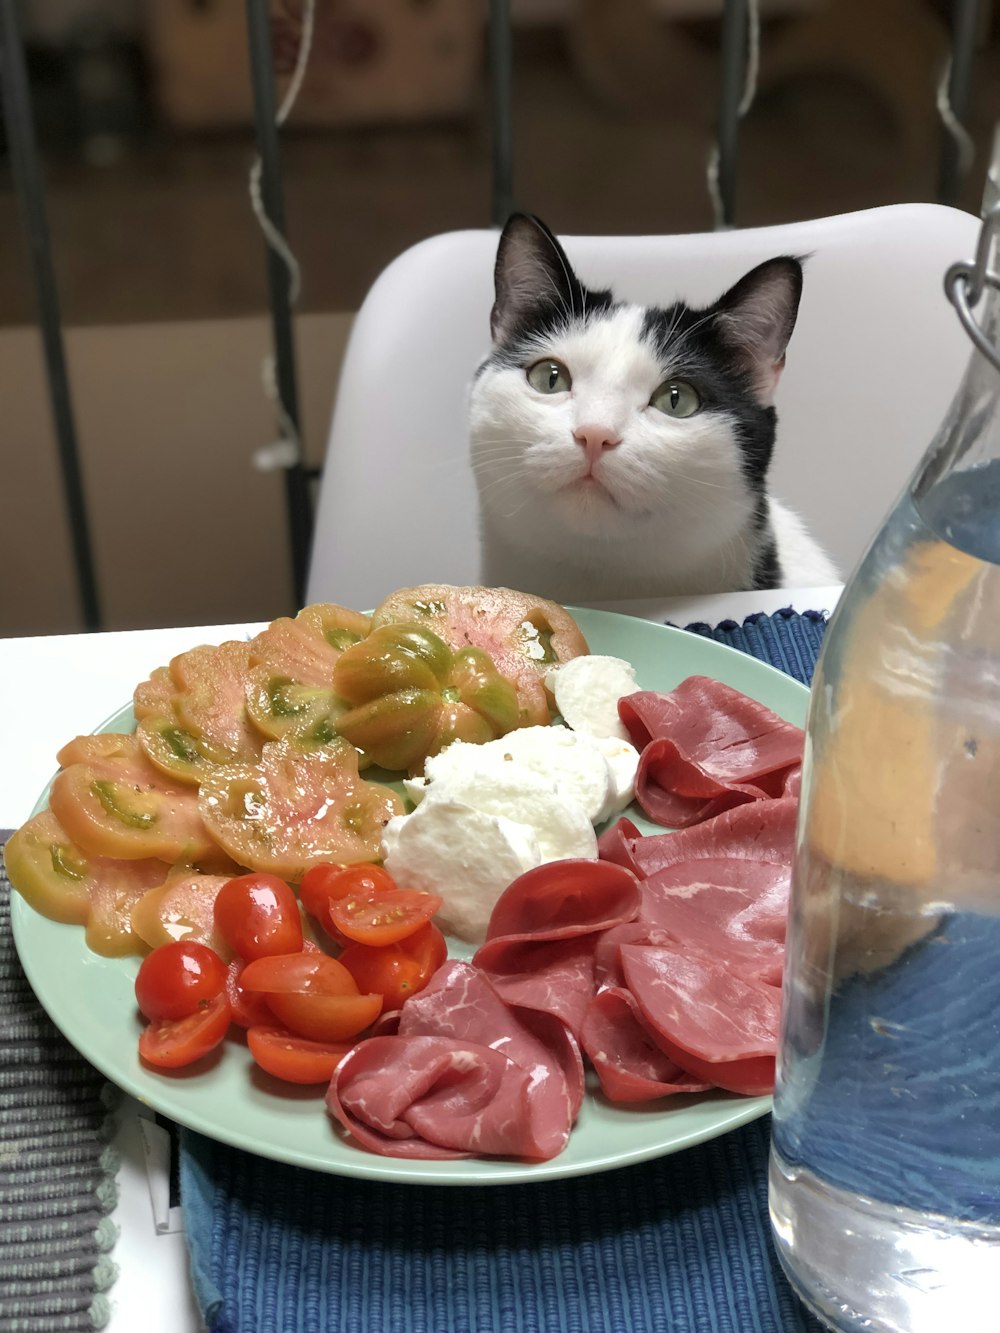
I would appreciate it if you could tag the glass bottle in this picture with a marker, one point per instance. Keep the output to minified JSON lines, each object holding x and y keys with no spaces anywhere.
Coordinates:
{"x":885,"y":1159}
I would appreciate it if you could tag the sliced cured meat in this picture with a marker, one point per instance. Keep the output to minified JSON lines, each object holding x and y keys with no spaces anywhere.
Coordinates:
{"x":297,"y":808}
{"x":706,"y":748}
{"x":724,"y":909}
{"x":565,"y":898}
{"x":431,"y":1098}
{"x":461,"y":1002}
{"x":763,"y":831}
{"x":616,"y":843}
{"x":554,"y":976}
{"x":464,"y":1074}
{"x":717,"y":1024}
{"x":629,"y":1063}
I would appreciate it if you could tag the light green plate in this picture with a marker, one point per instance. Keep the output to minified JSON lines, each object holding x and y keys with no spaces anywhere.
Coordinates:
{"x":90,"y":999}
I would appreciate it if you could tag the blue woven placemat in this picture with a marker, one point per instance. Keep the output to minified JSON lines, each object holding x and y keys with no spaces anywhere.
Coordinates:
{"x":677,"y":1245}
{"x":57,"y":1168}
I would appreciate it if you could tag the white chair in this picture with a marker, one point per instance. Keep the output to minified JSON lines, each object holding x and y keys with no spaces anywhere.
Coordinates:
{"x":875,"y":357}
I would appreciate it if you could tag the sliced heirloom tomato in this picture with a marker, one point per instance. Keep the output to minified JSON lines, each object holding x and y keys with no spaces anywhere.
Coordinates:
{"x":181,"y":908}
{"x":385,"y":918}
{"x":297,"y":808}
{"x":258,"y":915}
{"x":312,"y":995}
{"x":412,"y":695}
{"x":174,"y":1044}
{"x":397,"y":971}
{"x":294,"y":1059}
{"x":179,"y":979}
{"x":523,"y":635}
{"x":61,"y":881}
{"x":118,"y":805}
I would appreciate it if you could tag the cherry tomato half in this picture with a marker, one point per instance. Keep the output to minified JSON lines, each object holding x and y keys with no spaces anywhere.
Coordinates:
{"x":248,"y":1007}
{"x":325,"y":1018}
{"x":323,"y":885}
{"x":295,"y":1059}
{"x":302,"y":973}
{"x":170,"y":1045}
{"x":258,"y":915}
{"x":397,"y":971}
{"x":178,"y":979}
{"x":385,"y":919}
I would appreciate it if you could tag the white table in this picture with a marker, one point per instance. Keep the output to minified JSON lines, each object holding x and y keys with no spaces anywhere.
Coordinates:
{"x":83,"y":679}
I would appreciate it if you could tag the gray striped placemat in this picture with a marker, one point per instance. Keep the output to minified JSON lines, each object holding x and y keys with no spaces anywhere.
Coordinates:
{"x":57,"y":1168}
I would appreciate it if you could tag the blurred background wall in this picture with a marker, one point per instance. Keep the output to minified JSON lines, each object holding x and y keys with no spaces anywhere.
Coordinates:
{"x":143,"y":116}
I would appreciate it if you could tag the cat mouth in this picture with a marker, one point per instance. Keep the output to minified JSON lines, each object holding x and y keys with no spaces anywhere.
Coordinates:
{"x":590,"y":485}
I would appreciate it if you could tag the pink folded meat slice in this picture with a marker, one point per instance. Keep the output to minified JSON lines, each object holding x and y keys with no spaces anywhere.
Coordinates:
{"x":466,"y":1074}
{"x":717,"y":1024}
{"x":617,"y":844}
{"x":731,"y":910}
{"x":706,"y":747}
{"x":553,"y":976}
{"x":432,"y":1098}
{"x":539,"y":950}
{"x":763,"y":831}
{"x":629,"y":1063}
{"x":565,"y":898}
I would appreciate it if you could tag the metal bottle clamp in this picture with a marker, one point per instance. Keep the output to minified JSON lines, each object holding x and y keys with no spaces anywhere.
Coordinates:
{"x":965,"y":283}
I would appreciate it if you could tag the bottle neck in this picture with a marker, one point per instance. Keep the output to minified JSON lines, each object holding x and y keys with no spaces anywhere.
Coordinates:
{"x":969,"y":436}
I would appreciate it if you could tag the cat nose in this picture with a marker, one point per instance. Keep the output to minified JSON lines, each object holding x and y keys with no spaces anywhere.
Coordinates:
{"x":595,"y":439}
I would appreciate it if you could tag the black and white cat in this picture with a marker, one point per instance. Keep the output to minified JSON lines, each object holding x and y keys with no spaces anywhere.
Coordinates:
{"x":621,"y":450}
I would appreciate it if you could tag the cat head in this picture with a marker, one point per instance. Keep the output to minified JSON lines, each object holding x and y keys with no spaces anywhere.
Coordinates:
{"x":596,"y":414}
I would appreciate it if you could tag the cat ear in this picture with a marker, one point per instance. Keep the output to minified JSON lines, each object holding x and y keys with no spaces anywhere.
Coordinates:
{"x":532,"y":273}
{"x":756,"y":318}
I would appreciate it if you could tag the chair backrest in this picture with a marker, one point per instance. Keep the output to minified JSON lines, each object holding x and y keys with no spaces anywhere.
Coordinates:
{"x":875,"y":357}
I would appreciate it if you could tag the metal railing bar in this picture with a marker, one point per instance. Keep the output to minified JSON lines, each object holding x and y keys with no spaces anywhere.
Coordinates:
{"x":965,"y":29}
{"x":501,"y":62}
{"x":297,"y":493}
{"x":23,"y":147}
{"x":734,"y":64}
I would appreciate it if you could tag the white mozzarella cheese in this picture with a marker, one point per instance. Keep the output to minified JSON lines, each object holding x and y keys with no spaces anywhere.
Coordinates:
{"x":587,"y":689}
{"x":465,"y":855}
{"x":508,"y":789}
{"x":569,"y":759}
{"x":622,"y":759}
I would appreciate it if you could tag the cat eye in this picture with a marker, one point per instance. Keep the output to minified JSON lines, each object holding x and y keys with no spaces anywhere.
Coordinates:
{"x":676,"y":398}
{"x":550,"y":377}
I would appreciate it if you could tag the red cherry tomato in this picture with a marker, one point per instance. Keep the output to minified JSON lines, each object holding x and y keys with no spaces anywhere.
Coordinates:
{"x":385,"y":919}
{"x":258,"y":915}
{"x":311,"y":994}
{"x":303,"y":973}
{"x":397,"y":971}
{"x":178,"y":979}
{"x":171,"y":1045}
{"x":248,"y":1007}
{"x":295,"y":1059}
{"x":323,"y":885}
{"x":325,"y":1018}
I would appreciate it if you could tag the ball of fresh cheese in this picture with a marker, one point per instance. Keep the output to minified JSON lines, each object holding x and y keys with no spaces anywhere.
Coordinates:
{"x":587,"y":689}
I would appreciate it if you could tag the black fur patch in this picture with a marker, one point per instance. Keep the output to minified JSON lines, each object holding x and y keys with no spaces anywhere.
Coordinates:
{"x":545,"y":321}
{"x":688,"y":345}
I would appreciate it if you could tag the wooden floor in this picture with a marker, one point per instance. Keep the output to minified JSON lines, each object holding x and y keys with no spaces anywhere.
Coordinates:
{"x":166,"y":231}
